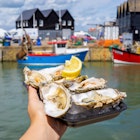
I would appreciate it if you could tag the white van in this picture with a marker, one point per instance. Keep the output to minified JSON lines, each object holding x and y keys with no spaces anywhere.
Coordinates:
{"x":4,"y":33}
{"x":32,"y":32}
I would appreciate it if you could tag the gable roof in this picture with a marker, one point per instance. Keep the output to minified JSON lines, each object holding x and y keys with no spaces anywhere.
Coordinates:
{"x":130,"y":5}
{"x":134,"y":5}
{"x":27,"y":14}
{"x":61,"y":12}
{"x":46,"y":12}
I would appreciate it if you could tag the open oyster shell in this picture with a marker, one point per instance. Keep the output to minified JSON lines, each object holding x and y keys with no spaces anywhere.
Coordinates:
{"x":98,"y":98}
{"x":57,"y":99}
{"x":87,"y":85}
{"x":36,"y":78}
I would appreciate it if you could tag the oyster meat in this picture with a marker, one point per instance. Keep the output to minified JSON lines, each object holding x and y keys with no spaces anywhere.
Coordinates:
{"x":87,"y":85}
{"x":56,"y":98}
{"x":98,"y":98}
{"x":36,"y":78}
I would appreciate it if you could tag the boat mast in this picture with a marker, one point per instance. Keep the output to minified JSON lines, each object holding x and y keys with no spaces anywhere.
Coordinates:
{"x":60,"y":23}
{"x":34,"y":20}
{"x":21,"y":22}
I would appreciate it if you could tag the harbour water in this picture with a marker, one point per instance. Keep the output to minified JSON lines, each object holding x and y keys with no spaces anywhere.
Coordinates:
{"x":13,"y":103}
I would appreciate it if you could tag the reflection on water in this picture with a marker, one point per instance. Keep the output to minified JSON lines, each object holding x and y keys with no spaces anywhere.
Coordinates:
{"x":13,"y":103}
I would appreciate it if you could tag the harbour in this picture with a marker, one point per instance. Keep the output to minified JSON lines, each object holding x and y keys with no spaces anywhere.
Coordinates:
{"x":95,"y":53}
{"x":14,"y":118}
{"x":105,"y":41}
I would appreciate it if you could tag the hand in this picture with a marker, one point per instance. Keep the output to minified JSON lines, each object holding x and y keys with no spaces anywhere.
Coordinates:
{"x":42,"y":126}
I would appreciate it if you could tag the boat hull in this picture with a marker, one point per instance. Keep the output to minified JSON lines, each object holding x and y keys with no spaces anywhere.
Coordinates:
{"x":125,"y":57}
{"x":51,"y":59}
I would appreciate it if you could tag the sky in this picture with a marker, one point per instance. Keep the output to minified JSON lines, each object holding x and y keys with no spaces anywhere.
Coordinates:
{"x":86,"y":13}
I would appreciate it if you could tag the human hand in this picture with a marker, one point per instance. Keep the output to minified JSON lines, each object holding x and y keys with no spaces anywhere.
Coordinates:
{"x":54,"y":128}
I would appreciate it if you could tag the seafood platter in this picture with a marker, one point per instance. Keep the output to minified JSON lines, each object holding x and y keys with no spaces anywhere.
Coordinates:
{"x":77,"y":102}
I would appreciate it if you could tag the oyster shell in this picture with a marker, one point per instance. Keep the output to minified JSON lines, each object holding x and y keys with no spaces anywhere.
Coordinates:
{"x":98,"y":98}
{"x":57,"y":99}
{"x":87,"y":85}
{"x":36,"y":78}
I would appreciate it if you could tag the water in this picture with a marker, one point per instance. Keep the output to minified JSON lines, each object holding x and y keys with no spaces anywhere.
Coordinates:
{"x":13,"y":103}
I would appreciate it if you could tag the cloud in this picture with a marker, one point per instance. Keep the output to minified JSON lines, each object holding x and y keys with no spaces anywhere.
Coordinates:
{"x":11,"y":3}
{"x":85,"y":12}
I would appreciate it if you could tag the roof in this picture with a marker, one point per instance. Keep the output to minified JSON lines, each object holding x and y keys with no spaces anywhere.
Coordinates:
{"x":61,"y":12}
{"x":134,"y":5}
{"x":46,"y":12}
{"x":118,"y":10}
{"x":27,"y":14}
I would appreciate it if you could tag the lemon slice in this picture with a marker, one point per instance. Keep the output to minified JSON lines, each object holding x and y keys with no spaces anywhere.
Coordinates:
{"x":72,"y":68}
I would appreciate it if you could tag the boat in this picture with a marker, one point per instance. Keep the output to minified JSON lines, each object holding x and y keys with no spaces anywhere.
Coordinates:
{"x":59,"y":55}
{"x":125,"y":56}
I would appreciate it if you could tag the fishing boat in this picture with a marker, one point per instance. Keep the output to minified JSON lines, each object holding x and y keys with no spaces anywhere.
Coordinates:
{"x":125,"y":56}
{"x":58,"y":56}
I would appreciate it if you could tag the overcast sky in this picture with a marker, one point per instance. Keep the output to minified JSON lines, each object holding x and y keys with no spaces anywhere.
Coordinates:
{"x":85,"y":12}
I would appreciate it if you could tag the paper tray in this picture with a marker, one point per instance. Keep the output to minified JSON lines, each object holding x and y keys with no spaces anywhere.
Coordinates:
{"x":79,"y":116}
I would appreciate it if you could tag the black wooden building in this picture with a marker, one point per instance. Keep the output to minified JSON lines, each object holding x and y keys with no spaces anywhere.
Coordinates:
{"x":50,"y":23}
{"x":128,"y":18}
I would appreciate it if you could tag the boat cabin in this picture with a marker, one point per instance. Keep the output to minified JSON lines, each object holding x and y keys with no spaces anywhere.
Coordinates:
{"x":59,"y":47}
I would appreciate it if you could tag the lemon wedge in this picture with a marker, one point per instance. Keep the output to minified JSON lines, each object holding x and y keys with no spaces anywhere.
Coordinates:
{"x":72,"y":68}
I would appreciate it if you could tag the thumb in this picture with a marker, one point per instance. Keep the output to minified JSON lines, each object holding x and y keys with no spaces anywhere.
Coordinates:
{"x":32,"y":93}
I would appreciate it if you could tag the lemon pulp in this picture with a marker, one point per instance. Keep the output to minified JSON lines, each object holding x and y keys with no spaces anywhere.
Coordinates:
{"x":72,"y":68}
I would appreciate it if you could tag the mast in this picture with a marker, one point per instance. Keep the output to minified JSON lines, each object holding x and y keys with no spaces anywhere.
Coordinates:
{"x":21,"y":22}
{"x":34,"y":20}
{"x":60,"y":23}
{"x":60,"y":20}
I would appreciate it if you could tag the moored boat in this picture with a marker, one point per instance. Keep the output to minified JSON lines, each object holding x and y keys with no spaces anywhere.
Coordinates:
{"x":125,"y":57}
{"x":59,"y":55}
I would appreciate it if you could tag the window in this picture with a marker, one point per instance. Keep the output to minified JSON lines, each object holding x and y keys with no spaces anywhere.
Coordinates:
{"x":35,"y":23}
{"x":61,"y":45}
{"x":64,"y":23}
{"x":56,"y":26}
{"x":69,"y":23}
{"x":23,"y":23}
{"x":18,"y":24}
{"x":40,"y":22}
{"x":26,"y":23}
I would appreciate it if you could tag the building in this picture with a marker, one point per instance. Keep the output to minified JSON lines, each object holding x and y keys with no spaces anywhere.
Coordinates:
{"x":50,"y":23}
{"x":128,"y":18}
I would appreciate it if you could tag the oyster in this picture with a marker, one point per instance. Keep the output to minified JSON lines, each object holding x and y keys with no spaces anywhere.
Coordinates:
{"x":56,"y":98}
{"x":98,"y":98}
{"x":36,"y":78}
{"x":87,"y":85}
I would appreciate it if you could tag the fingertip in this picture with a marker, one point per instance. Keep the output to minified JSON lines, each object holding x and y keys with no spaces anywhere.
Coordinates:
{"x":31,"y":89}
{"x":32,"y":93}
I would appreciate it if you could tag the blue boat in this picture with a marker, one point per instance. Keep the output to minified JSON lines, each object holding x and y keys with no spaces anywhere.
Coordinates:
{"x":58,"y":57}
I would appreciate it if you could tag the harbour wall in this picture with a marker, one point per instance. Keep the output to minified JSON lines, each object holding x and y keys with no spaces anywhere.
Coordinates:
{"x":94,"y":54}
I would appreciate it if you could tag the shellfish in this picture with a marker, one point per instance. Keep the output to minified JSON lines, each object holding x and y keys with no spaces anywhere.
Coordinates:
{"x":36,"y":78}
{"x":56,"y":98}
{"x":98,"y":98}
{"x":58,"y":94}
{"x":87,"y":85}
